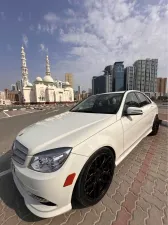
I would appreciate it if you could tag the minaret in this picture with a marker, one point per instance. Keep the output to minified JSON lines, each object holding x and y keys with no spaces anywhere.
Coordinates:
{"x":48,"y":72}
{"x":24,"y":68}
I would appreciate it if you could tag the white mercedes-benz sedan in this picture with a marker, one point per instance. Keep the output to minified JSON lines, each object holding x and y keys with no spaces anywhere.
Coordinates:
{"x":70,"y":158}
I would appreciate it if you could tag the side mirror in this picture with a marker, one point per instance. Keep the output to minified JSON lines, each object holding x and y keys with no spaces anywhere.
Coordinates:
{"x":133,"y":111}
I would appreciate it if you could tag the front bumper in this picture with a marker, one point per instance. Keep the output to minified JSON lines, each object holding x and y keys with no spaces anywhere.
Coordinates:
{"x":48,"y":186}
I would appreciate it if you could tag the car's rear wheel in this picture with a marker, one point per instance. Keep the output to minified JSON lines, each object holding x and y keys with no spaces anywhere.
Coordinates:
{"x":155,"y":127}
{"x":95,"y":178}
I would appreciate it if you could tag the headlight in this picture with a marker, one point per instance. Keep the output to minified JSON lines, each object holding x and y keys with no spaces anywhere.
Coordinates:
{"x":50,"y":160}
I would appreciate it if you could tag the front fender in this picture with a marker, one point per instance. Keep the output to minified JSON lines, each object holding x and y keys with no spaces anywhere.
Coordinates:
{"x":111,"y":136}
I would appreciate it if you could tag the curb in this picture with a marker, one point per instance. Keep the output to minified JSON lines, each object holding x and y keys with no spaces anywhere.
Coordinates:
{"x":6,"y":110}
{"x":14,"y":109}
{"x":164,"y":123}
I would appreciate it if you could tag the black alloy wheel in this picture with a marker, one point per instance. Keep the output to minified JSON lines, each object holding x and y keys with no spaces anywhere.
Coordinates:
{"x":95,"y":178}
{"x":155,"y":127}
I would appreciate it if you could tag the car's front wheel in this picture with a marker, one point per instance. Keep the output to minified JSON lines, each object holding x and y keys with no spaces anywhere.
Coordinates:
{"x":95,"y":178}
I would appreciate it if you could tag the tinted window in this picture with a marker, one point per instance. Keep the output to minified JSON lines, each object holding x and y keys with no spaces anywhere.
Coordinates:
{"x":105,"y":103}
{"x":143,"y":99}
{"x":131,"y":100}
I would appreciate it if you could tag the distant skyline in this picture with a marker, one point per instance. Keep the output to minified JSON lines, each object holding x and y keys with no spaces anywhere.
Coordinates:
{"x":80,"y":37}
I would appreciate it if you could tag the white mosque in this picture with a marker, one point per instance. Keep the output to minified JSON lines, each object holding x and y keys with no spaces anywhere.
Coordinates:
{"x":46,"y":90}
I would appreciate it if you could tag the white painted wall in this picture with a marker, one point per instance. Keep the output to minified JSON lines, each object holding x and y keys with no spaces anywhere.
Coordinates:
{"x":49,"y":92}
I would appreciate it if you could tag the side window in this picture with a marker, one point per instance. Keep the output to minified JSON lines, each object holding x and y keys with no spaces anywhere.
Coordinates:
{"x":143,"y":99}
{"x":131,"y":100}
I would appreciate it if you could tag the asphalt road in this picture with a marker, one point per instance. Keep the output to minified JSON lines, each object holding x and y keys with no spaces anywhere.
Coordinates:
{"x":11,"y":126}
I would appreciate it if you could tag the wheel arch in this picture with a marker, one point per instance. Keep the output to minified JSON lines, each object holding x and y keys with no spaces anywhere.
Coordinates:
{"x":114,"y":154}
{"x":113,"y":151}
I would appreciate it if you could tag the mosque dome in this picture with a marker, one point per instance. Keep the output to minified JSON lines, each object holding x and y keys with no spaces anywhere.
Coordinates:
{"x":39,"y":79}
{"x":48,"y":79}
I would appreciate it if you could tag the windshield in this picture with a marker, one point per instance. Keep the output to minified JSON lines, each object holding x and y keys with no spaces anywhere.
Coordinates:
{"x":104,"y":103}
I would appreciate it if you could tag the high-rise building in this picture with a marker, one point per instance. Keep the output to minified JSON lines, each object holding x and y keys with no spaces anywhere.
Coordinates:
{"x":112,"y":80}
{"x":18,"y":85}
{"x":13,"y":87}
{"x":161,"y":85}
{"x":103,"y":83}
{"x":89,"y":91}
{"x":79,"y":89}
{"x":145,"y":75}
{"x":69,"y":78}
{"x":108,"y":72}
{"x":99,"y":84}
{"x":118,"y":76}
{"x":129,"y":78}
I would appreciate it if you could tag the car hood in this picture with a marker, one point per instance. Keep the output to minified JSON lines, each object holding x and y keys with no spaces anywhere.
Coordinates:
{"x":64,"y":130}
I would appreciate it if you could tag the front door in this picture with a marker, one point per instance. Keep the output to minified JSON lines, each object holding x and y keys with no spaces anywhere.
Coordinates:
{"x":146,"y":106}
{"x":132,"y":125}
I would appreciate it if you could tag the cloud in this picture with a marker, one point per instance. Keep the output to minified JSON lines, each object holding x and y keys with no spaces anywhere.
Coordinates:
{"x":20,"y":18}
{"x":2,"y":15}
{"x":48,"y":28}
{"x":70,"y":12}
{"x":25,"y":40}
{"x":113,"y":30}
{"x":50,"y":17}
{"x":51,"y":20}
{"x":43,"y":48}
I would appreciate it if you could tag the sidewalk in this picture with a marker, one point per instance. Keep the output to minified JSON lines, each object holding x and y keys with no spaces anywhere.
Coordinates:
{"x":137,"y":196}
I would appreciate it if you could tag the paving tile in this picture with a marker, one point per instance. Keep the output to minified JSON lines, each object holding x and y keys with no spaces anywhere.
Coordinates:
{"x":161,"y":196}
{"x":118,"y":198}
{"x":138,"y":217}
{"x":59,"y":220}
{"x":90,"y":218}
{"x":106,"y":218}
{"x":148,"y":186}
{"x":143,"y":204}
{"x":161,"y":185}
{"x":11,"y":220}
{"x":165,"y":216}
{"x":77,"y":216}
{"x":111,"y":204}
{"x":113,"y":188}
{"x":99,"y":208}
{"x":155,"y":216}
{"x":153,"y":200}
{"x":43,"y":222}
{"x":124,"y":188}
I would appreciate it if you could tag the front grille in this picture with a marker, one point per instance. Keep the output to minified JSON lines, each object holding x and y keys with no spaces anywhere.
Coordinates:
{"x":19,"y":153}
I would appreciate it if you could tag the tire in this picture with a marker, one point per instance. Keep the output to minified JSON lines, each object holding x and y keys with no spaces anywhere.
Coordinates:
{"x":155,"y":127}
{"x":95,"y":178}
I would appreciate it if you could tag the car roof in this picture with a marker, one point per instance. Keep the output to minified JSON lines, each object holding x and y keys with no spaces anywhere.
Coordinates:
{"x":118,"y":92}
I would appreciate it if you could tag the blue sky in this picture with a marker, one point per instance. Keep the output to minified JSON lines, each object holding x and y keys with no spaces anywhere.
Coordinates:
{"x":80,"y":36}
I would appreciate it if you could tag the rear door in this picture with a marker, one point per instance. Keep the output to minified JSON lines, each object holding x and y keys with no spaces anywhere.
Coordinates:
{"x":132,"y":125}
{"x":148,"y":112}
